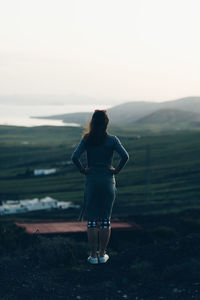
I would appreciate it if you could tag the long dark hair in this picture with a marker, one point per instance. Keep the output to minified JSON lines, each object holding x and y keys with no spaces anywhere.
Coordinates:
{"x":96,"y":130}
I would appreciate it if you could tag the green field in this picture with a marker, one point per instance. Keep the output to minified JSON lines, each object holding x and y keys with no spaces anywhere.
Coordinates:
{"x":159,"y":261}
{"x":174,"y":168}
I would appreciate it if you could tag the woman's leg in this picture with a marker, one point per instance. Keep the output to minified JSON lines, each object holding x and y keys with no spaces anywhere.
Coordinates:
{"x":92,"y":233}
{"x":104,"y":235}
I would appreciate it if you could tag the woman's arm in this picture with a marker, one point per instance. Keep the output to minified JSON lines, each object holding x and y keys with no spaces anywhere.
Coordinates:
{"x":122,"y":152}
{"x":77,"y":154}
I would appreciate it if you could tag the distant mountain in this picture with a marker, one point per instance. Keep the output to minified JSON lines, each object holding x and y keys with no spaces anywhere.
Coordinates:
{"x":130,"y":112}
{"x":169,"y":115}
{"x":187,"y":104}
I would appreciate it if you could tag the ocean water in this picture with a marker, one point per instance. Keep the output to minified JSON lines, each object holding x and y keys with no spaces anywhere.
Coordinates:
{"x":20,"y":115}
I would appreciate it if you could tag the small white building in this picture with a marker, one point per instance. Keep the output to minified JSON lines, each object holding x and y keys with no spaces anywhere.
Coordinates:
{"x":21,"y":206}
{"x":37,"y":172}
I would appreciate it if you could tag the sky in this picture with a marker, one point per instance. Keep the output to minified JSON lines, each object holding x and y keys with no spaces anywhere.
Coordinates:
{"x":109,"y":50}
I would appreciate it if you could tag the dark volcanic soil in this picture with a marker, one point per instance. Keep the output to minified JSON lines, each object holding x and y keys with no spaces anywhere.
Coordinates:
{"x":160,"y":261}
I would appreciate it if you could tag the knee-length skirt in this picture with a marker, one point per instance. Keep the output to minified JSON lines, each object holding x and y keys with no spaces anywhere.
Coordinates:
{"x":99,"y":194}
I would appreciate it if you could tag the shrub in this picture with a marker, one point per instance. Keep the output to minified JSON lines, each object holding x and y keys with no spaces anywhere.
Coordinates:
{"x":189,"y":245}
{"x":189,"y":225}
{"x":13,"y":237}
{"x":163,"y":233}
{"x":186,"y":271}
{"x":143,"y":270}
{"x":55,"y":251}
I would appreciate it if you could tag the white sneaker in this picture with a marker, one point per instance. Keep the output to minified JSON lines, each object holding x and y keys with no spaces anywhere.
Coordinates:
{"x":103,"y":259}
{"x":92,"y":260}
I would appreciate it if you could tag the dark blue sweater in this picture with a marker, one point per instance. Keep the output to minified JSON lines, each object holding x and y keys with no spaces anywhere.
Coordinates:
{"x":101,"y":154}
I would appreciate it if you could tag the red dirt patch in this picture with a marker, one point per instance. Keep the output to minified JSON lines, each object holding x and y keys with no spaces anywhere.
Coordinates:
{"x":62,"y":227}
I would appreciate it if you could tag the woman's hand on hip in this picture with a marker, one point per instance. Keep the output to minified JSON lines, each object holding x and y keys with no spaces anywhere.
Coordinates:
{"x":85,"y":171}
{"x":114,"y":170}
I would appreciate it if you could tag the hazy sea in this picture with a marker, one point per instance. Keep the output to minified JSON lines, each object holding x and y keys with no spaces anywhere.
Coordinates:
{"x":20,"y":115}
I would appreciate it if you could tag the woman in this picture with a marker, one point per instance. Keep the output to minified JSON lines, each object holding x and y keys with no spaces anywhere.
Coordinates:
{"x":100,"y":185}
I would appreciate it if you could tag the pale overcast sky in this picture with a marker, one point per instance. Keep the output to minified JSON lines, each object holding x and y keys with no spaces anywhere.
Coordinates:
{"x":106,"y":49}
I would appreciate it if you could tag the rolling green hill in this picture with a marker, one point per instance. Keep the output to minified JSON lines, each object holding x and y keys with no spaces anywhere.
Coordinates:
{"x":169,"y":115}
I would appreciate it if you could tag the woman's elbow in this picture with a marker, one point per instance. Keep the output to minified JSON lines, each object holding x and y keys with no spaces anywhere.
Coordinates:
{"x":126,"y":157}
{"x":74,"y":157}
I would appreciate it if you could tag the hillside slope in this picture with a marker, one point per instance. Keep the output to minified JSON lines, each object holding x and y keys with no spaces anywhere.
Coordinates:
{"x":126,"y":113}
{"x":169,"y":115}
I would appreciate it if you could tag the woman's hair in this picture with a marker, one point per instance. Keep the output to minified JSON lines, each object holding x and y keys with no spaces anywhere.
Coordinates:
{"x":96,"y":130}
